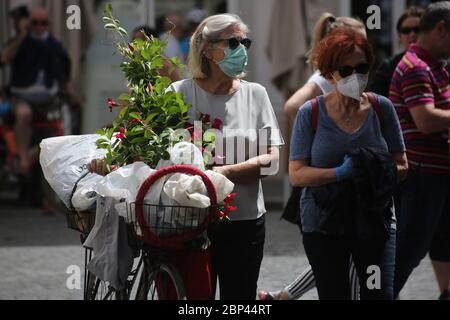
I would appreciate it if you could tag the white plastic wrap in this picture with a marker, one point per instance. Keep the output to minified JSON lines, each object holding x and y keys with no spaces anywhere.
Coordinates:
{"x":64,"y":160}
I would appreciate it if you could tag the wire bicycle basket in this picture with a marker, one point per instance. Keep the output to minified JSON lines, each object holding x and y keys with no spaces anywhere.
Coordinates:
{"x":167,"y":226}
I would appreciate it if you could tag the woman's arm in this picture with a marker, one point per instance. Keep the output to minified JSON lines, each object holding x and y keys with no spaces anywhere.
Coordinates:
{"x":252,"y":169}
{"x":402,"y":165}
{"x":302,"y":175}
{"x":309,"y":91}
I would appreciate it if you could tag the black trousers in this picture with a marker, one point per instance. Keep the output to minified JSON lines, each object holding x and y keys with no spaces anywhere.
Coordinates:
{"x":329,"y":257}
{"x":237,"y":250}
{"x":424,"y":223}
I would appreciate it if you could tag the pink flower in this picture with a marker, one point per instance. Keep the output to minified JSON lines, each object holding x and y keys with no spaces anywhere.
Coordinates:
{"x":221,"y":214}
{"x":112,"y":104}
{"x":217,"y":124}
{"x":229,"y":199}
{"x":121,"y":134}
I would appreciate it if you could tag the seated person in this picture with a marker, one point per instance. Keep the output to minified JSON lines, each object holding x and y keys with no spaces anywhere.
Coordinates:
{"x":40,"y":69}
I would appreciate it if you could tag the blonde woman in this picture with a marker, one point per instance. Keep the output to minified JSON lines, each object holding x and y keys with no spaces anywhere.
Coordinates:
{"x":217,"y":63}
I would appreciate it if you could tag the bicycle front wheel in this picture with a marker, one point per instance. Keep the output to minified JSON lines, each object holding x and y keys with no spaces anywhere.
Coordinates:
{"x":97,"y":289}
{"x":162,"y":282}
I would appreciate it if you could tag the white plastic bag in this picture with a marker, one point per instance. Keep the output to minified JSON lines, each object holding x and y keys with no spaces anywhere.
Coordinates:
{"x":190,"y":191}
{"x":123,"y":186}
{"x":64,"y":160}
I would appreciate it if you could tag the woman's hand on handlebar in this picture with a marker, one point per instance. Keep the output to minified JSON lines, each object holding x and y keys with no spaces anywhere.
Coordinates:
{"x":100,"y":167}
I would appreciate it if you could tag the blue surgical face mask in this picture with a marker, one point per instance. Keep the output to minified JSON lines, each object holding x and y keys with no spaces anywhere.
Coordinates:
{"x":234,"y":62}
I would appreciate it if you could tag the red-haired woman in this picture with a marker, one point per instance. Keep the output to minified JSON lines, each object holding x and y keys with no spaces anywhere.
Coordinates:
{"x":324,"y":159}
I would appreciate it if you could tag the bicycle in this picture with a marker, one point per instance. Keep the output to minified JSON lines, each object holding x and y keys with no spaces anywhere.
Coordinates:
{"x":161,"y":232}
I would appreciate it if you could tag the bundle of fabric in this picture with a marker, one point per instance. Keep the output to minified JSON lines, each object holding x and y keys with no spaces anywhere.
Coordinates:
{"x":363,"y":206}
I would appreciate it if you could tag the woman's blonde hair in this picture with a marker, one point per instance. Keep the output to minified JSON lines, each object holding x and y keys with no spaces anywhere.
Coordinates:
{"x":208,"y":31}
{"x":327,"y":23}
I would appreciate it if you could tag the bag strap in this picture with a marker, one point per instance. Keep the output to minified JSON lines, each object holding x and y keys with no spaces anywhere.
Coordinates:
{"x":376,"y":106}
{"x":314,"y":114}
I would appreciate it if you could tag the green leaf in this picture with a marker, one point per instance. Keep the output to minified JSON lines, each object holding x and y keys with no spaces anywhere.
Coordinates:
{"x":100,"y":132}
{"x":125,"y":97}
{"x":135,"y":115}
{"x":145,"y":54}
{"x":209,"y":137}
{"x":139,"y":140}
{"x":122,"y":31}
{"x":110,"y":133}
{"x":110,"y":26}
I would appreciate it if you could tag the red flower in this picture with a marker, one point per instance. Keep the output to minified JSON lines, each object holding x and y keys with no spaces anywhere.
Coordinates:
{"x":130,"y":46}
{"x":133,"y":121}
{"x":112,"y":104}
{"x":121,"y":134}
{"x":229,"y":199}
{"x":189,"y":127}
{"x":217,"y":124}
{"x":205,"y":118}
{"x":232,"y":208}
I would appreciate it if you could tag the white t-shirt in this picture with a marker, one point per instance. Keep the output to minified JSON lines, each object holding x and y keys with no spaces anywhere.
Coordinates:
{"x":323,"y":83}
{"x":243,"y":114}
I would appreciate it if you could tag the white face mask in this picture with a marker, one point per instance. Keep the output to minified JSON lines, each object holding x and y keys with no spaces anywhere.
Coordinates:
{"x":353,"y":86}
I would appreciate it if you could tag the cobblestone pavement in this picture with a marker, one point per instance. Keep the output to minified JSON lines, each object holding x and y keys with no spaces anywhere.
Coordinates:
{"x":36,"y":250}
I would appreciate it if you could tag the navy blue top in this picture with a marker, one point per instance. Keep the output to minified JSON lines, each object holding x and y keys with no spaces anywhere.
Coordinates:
{"x":327,"y":147}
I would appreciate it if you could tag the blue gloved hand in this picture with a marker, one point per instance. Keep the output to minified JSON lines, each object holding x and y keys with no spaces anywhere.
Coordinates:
{"x":345,"y":171}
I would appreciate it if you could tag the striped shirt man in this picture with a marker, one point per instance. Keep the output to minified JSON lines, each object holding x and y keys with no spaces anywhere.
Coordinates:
{"x":420,"y":80}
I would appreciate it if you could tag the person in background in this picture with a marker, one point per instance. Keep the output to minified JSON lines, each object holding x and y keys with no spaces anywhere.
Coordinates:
{"x":148,"y":31}
{"x":40,"y":69}
{"x":20,"y":17}
{"x":192,"y":20}
{"x":408,"y":31}
{"x":420,"y":92}
{"x":317,"y":85}
{"x":173,"y":32}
